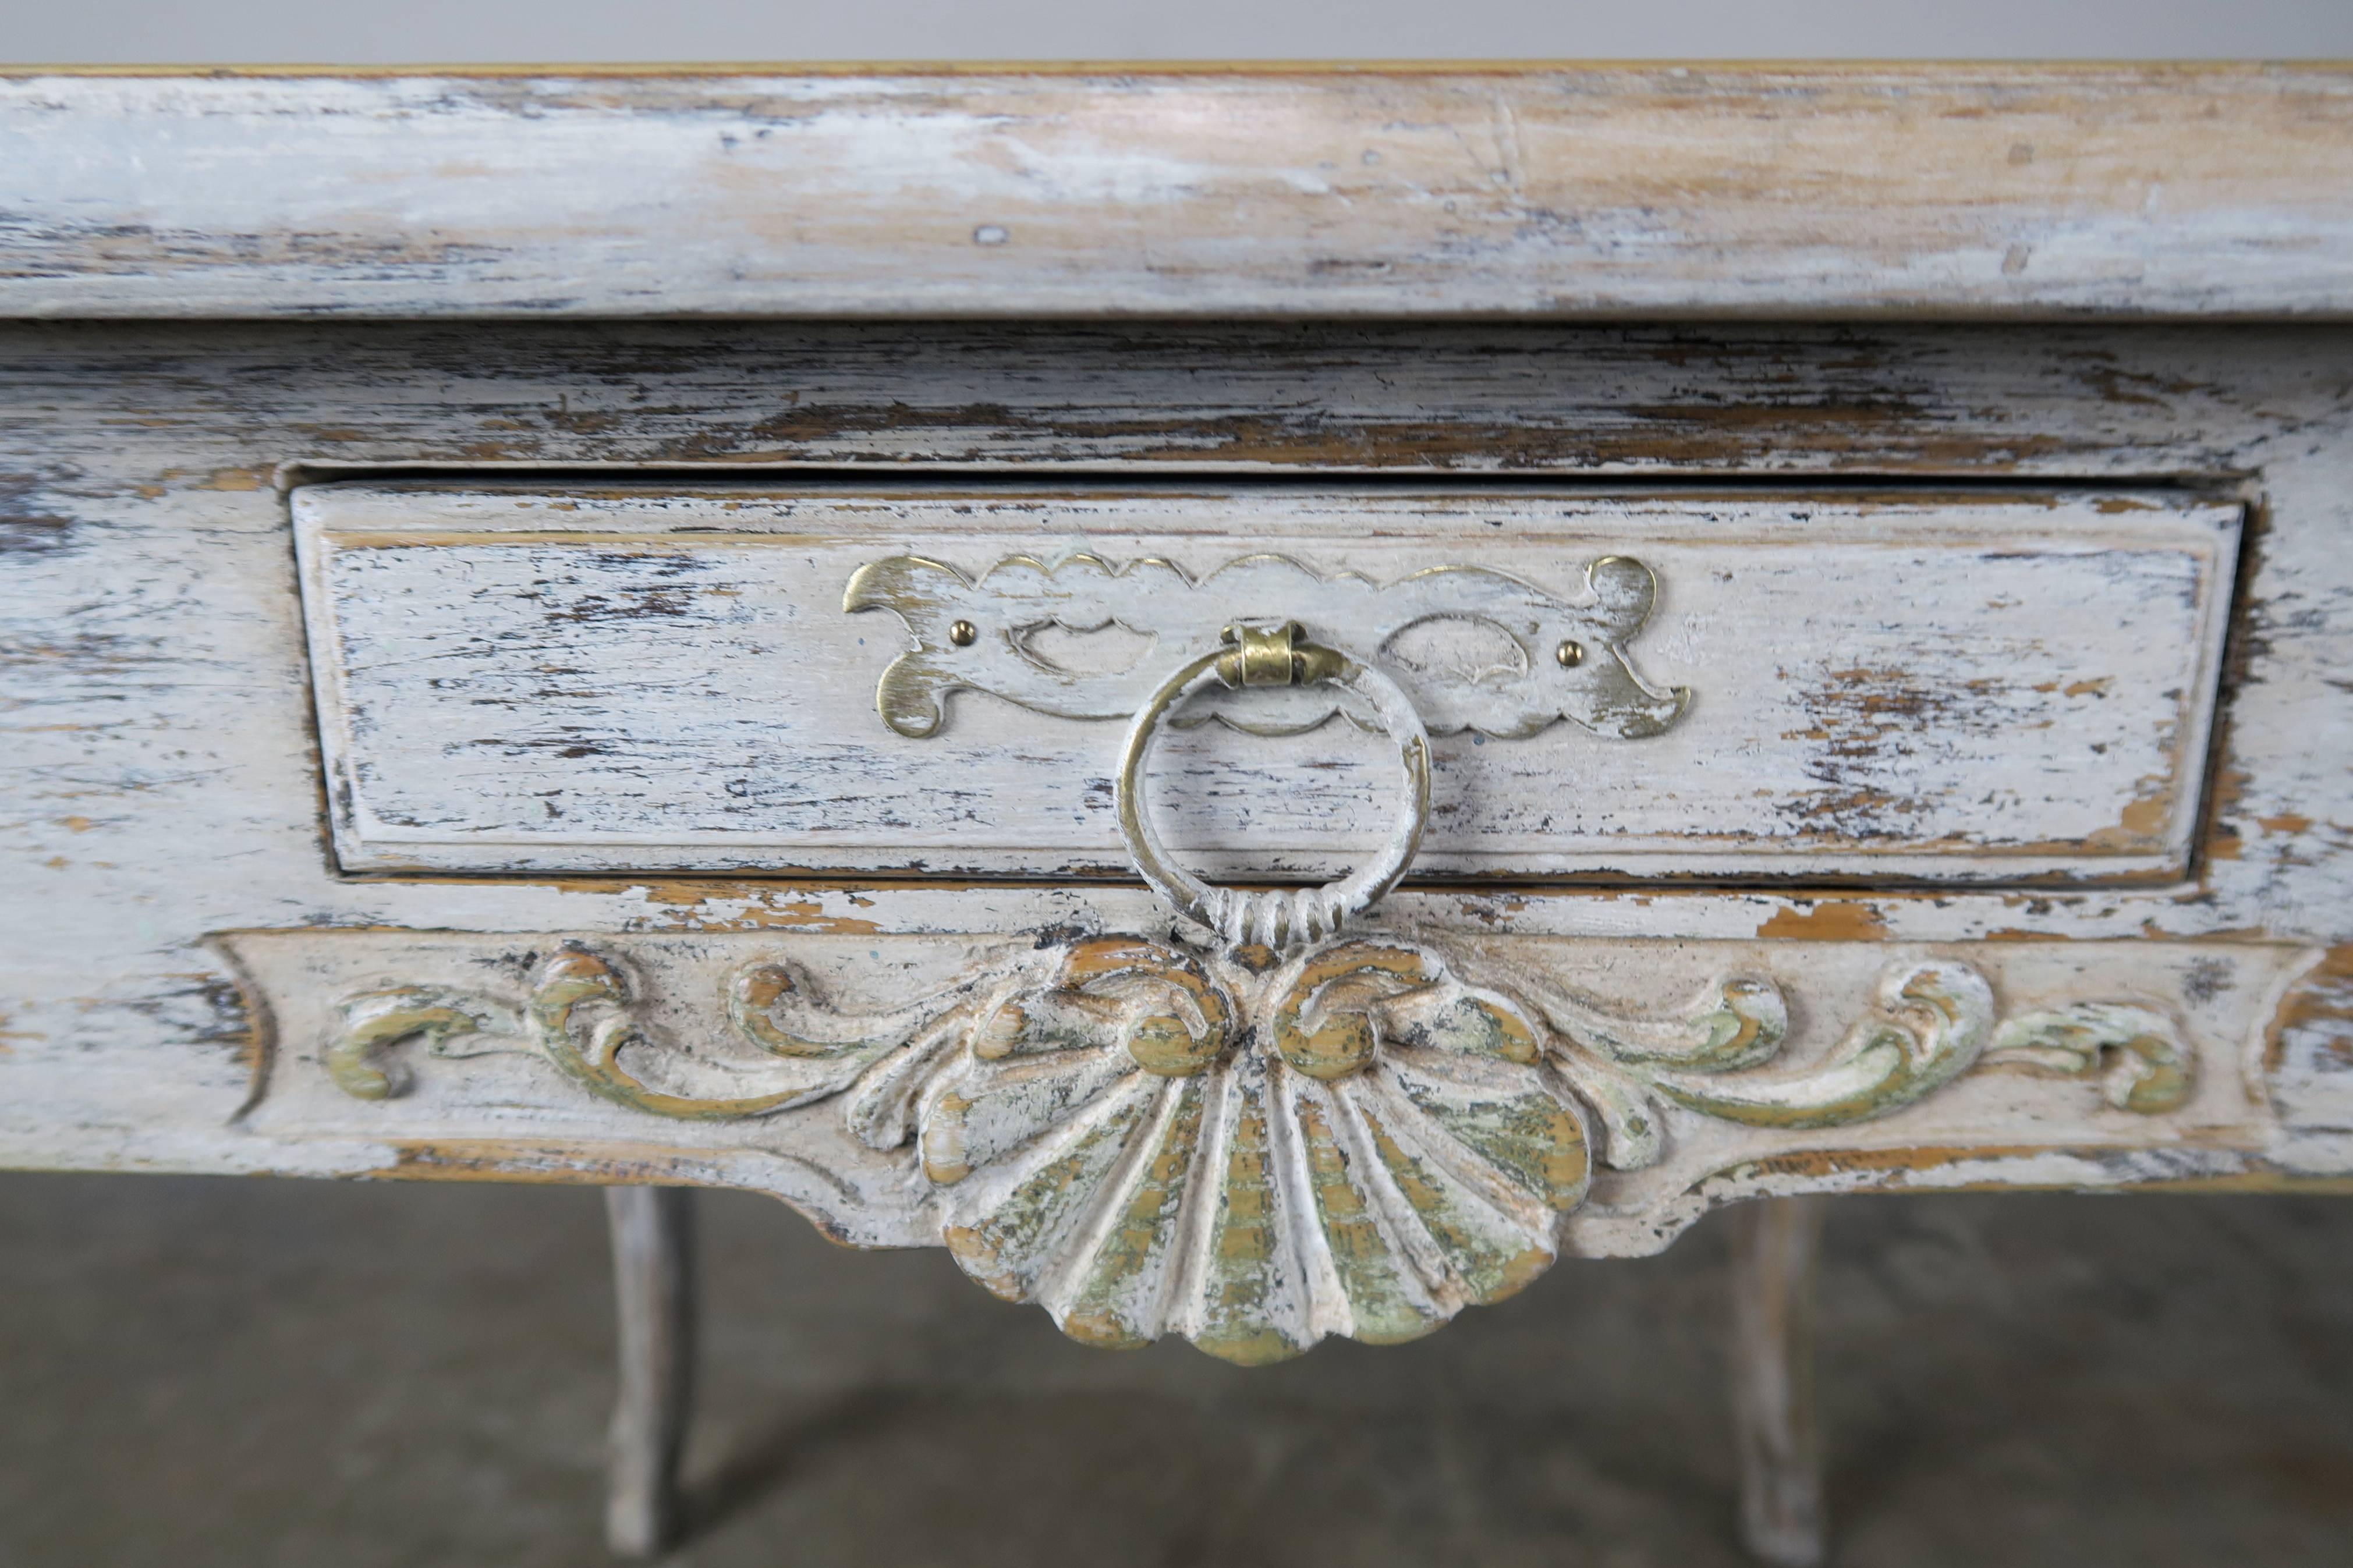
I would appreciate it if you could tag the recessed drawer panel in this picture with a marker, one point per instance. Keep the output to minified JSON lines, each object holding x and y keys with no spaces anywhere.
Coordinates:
{"x":1978,"y":686}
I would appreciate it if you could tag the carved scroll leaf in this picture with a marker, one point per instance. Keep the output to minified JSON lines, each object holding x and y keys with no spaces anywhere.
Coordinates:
{"x":359,"y":1059}
{"x":2147,"y":1064}
{"x":579,"y":1009}
{"x":1940,"y":1014}
{"x":1610,"y":1055}
{"x":1938,"y":1022}
{"x":1516,"y":687}
{"x":1249,"y":1151}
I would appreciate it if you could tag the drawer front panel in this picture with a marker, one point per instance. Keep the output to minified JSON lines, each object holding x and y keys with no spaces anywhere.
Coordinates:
{"x":1982,"y":687}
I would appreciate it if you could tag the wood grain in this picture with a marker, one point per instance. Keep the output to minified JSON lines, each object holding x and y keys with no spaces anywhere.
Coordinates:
{"x":2004,"y":686}
{"x":835,"y":1071}
{"x":655,"y":1314}
{"x":1773,"y":190}
{"x":1776,"y":1265}
{"x":161,"y":781}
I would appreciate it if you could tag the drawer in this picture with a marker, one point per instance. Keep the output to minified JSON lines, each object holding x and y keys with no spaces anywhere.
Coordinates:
{"x":1989,"y":687}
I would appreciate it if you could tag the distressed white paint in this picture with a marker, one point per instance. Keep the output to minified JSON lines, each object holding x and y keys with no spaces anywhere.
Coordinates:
{"x":1776,"y":1256}
{"x":1773,"y":190}
{"x":160,"y":784}
{"x":1994,"y":687}
{"x":496,"y":1100}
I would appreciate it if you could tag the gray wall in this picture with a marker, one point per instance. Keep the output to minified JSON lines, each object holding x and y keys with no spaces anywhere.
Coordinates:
{"x":264,"y":31}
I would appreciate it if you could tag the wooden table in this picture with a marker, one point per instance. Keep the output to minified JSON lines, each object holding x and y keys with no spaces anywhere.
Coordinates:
{"x":580,"y":627}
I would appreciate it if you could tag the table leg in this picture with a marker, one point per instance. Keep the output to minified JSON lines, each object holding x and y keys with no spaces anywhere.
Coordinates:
{"x":653,"y":1280}
{"x":1776,"y":1243}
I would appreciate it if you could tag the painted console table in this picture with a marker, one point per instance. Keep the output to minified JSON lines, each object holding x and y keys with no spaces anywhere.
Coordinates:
{"x":1260,"y":700}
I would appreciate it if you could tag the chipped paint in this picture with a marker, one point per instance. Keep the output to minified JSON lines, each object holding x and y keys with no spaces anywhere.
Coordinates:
{"x":1213,"y":192}
{"x":153,"y":652}
{"x":518,"y":680}
{"x":1250,"y":1149}
{"x":1838,"y":919}
{"x":2312,"y":1028}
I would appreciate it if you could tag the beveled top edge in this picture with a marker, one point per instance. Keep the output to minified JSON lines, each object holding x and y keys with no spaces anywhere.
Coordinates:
{"x":1956,"y":190}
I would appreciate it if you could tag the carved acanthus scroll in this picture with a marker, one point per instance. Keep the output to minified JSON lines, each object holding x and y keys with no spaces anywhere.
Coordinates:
{"x":1475,"y":649}
{"x":2136,"y":1052}
{"x":1253,"y":1149}
{"x":1931,"y":1026}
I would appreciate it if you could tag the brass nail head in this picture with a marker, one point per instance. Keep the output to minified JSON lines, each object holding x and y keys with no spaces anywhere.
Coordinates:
{"x":1570,"y":653}
{"x":964,"y":634}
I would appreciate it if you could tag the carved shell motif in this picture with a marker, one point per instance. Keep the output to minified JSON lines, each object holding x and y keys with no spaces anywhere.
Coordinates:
{"x":1249,"y":1150}
{"x":1351,"y":1142}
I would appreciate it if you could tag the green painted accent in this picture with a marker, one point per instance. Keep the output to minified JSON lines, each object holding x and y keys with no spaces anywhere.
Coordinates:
{"x":1475,"y":1025}
{"x":373,"y":1023}
{"x":573,"y":977}
{"x":1490,"y":1266}
{"x":1880,"y":1076}
{"x":1137,"y":1245}
{"x":2148,"y":1067}
{"x":1885,"y":1067}
{"x":993,"y":1109}
{"x":1008,"y":1247}
{"x":1245,"y":1245}
{"x":1745,"y":1031}
{"x":1370,"y":1273}
{"x":1531,"y":1138}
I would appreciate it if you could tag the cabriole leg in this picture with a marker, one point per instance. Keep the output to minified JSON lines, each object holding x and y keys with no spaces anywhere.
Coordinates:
{"x":653,"y":1280}
{"x":1776,"y":1243}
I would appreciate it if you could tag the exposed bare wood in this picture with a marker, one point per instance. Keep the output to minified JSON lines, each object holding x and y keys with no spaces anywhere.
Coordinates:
{"x":1864,"y":403}
{"x":1760,"y":190}
{"x":654,"y":1296}
{"x":1775,"y":1257}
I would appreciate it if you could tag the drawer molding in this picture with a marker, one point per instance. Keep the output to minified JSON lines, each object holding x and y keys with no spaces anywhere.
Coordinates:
{"x":1247,"y":1149}
{"x":1984,"y":688}
{"x":1477,"y":649}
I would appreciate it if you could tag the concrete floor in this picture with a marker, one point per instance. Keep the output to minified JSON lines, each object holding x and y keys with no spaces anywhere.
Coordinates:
{"x":256,"y":1374}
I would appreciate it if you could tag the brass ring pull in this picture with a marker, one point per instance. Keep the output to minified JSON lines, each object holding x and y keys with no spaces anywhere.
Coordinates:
{"x":1283,"y":916}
